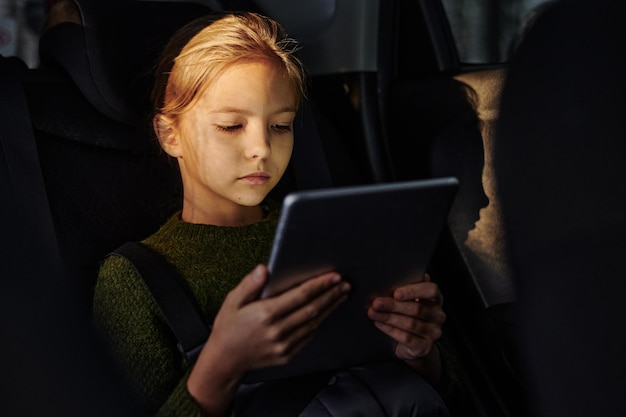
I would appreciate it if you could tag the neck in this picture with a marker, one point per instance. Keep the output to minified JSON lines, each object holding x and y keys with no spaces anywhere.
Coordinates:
{"x":217,"y":216}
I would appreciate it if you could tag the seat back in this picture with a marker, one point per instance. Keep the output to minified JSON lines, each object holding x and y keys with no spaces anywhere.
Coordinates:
{"x":559,"y":158}
{"x":106,"y":179}
{"x":48,"y":349}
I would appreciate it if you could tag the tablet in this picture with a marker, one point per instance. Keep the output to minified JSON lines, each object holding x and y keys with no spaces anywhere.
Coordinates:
{"x":378,"y":237}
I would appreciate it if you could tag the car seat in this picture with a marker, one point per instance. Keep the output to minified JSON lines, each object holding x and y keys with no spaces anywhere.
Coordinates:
{"x":560,"y":153}
{"x":47,"y":349}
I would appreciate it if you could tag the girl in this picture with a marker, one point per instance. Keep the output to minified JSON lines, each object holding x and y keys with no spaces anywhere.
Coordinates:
{"x":226,"y":94}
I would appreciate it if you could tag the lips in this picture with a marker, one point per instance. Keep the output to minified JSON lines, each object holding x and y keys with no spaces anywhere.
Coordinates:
{"x":255,"y":178}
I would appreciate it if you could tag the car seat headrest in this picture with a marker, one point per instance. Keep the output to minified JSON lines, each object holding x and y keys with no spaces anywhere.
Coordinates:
{"x":110,"y":54}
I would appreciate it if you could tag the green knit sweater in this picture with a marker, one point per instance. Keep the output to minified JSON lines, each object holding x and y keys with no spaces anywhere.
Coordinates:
{"x":212,"y":260}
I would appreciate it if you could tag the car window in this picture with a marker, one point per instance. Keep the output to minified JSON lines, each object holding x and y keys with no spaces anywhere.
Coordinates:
{"x":20,"y":23}
{"x":487,"y":32}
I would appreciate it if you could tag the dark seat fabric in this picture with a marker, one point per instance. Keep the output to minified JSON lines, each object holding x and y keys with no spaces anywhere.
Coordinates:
{"x":99,"y":196}
{"x":106,"y":179}
{"x":106,"y":199}
{"x":47,"y":351}
{"x":559,"y":154}
{"x":112,"y":54}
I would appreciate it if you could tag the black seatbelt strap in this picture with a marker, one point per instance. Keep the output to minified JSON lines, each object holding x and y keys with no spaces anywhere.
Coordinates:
{"x":172,"y":295}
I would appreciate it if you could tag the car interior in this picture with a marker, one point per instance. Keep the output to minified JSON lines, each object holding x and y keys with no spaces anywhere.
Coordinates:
{"x":388,"y":100}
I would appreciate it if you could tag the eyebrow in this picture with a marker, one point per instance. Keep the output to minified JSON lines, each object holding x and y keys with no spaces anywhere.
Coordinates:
{"x":286,"y":109}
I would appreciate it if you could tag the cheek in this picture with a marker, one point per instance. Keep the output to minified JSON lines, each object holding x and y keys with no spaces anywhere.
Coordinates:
{"x":282,"y":153}
{"x":204,"y":147}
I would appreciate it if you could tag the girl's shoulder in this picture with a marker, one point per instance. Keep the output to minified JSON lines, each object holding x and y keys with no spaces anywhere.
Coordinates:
{"x":117,"y":278}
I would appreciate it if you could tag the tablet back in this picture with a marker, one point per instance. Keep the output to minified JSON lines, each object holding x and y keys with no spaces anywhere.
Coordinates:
{"x":377,"y":237}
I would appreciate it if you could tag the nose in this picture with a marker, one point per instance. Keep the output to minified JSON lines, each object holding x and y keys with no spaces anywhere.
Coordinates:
{"x":258,"y":144}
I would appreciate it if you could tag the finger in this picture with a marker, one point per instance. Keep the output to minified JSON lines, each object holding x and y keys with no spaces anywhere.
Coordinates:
{"x":304,"y":293}
{"x":422,"y":328}
{"x":284,"y":352}
{"x":412,"y":353}
{"x":424,"y":310}
{"x":413,"y":345}
{"x":424,"y":290}
{"x":250,"y":287}
{"x":410,"y":346}
{"x":310,"y":316}
{"x":302,"y":334}
{"x":295,"y":330}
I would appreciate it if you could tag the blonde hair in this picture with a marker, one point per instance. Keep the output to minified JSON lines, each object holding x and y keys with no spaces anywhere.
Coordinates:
{"x":205,"y":47}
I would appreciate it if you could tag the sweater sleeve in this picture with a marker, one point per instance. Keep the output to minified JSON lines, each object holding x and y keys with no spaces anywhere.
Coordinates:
{"x":136,"y":334}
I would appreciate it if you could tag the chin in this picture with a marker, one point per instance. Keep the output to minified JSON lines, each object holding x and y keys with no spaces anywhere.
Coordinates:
{"x":251,"y":201}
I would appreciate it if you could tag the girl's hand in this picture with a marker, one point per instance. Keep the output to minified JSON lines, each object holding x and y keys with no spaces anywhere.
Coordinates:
{"x":413,"y":317}
{"x":273,"y":330}
{"x":249,"y":333}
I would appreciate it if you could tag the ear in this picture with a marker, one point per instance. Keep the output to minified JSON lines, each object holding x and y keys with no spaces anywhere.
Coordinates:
{"x":166,"y":132}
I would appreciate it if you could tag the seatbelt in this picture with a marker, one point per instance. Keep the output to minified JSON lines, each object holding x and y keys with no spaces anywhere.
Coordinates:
{"x":171,"y":295}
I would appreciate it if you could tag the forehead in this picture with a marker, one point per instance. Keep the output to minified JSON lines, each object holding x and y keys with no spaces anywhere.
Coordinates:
{"x":250,"y":82}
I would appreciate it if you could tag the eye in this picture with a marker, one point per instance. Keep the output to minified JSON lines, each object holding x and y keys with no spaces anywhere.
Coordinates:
{"x":228,"y":128}
{"x":282,"y":127}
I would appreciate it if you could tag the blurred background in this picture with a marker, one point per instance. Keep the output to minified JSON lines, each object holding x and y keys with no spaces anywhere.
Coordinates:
{"x":485,"y":30}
